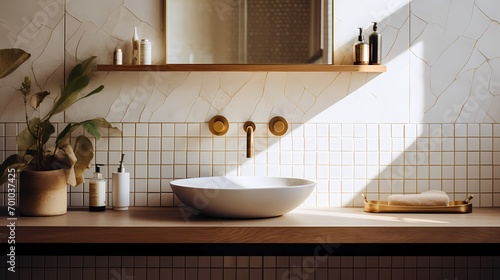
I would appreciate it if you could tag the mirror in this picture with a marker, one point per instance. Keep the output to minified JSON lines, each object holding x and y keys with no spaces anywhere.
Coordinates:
{"x":248,"y":31}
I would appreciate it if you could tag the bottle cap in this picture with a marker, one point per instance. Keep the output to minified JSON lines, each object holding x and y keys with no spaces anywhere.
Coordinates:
{"x":374,"y":26}
{"x":98,"y":167}
{"x":360,"y":36}
{"x":135,"y":34}
{"x":121,"y":168}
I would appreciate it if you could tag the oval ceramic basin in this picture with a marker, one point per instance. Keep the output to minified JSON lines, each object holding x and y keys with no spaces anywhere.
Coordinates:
{"x":242,"y":197}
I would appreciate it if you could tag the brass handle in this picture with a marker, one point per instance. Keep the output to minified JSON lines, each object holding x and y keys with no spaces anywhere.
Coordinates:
{"x":278,"y":126}
{"x":218,"y":125}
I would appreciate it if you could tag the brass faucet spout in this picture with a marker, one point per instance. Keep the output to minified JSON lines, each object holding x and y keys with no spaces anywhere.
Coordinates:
{"x":249,"y":142}
{"x":249,"y":128}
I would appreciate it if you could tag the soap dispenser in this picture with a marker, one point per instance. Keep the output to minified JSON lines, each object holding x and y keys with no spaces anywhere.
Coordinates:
{"x":361,"y":50}
{"x":97,"y":191}
{"x":375,"y":42}
{"x":121,"y":187}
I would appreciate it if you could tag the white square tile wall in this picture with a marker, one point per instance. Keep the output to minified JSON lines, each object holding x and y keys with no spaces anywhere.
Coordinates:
{"x":345,"y":160}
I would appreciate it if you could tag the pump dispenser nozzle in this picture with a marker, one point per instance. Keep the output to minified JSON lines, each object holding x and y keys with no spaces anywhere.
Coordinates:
{"x":98,"y":167}
{"x":360,"y":36}
{"x":121,"y":169}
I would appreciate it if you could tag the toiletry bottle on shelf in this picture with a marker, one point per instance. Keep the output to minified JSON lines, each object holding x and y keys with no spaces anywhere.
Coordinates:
{"x":135,"y":48}
{"x":121,"y":188}
{"x":97,"y":191}
{"x":117,"y":57}
{"x":360,"y":50}
{"x":375,"y":46}
{"x":145,"y":52}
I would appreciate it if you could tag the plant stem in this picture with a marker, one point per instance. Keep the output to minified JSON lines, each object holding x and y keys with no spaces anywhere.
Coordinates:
{"x":39,"y":150}
{"x":26,"y":115}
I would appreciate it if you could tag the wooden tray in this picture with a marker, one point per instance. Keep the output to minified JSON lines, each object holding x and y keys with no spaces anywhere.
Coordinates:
{"x":380,"y":206}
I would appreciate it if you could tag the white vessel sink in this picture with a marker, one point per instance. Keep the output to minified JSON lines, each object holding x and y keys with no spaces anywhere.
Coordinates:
{"x":242,"y":197}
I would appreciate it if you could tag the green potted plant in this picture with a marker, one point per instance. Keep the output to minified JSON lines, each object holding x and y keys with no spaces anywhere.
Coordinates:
{"x":45,"y":172}
{"x":11,"y":59}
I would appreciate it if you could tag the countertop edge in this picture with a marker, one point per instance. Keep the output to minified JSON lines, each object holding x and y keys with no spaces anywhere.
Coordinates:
{"x":250,"y":235}
{"x":167,"y":225}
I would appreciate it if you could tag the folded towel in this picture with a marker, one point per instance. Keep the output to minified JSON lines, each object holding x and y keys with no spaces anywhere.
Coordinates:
{"x":428,"y":198}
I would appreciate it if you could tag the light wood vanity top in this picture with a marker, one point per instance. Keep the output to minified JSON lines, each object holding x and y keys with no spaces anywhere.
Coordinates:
{"x":303,"y":225}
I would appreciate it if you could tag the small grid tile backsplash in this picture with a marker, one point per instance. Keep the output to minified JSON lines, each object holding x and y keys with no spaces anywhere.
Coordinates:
{"x":256,"y":267}
{"x":344,"y":159}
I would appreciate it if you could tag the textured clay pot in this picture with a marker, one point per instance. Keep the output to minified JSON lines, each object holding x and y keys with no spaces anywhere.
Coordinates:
{"x":43,"y":193}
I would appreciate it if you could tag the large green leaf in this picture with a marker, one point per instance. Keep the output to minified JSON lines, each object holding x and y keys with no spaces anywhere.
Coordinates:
{"x":82,"y":68}
{"x":70,"y":94}
{"x":78,"y":79}
{"x":93,"y":126}
{"x":48,"y":130}
{"x":66,"y":132}
{"x":75,"y":72}
{"x":99,"y":89}
{"x":27,"y":138}
{"x":12,"y":162}
{"x":10,"y":60}
{"x":87,"y":63}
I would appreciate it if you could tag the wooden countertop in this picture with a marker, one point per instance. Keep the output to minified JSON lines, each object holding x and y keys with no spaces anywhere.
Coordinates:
{"x":303,"y":225}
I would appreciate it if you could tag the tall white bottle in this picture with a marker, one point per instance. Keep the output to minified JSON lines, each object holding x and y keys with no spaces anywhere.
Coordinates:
{"x":135,"y":48}
{"x":121,"y":188}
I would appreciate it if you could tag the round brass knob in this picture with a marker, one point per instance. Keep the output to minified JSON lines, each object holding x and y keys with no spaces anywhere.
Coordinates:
{"x":278,"y":126}
{"x":218,"y":125}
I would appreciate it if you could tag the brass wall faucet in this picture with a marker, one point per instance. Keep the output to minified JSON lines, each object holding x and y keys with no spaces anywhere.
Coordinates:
{"x":249,"y":128}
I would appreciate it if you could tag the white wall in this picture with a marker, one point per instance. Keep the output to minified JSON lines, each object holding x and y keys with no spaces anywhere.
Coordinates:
{"x":429,"y":122}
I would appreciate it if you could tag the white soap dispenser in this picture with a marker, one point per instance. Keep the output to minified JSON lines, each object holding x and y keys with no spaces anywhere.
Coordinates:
{"x":97,"y":191}
{"x":121,"y":188}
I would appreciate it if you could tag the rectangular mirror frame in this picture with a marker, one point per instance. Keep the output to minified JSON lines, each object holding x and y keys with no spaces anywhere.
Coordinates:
{"x":239,"y":67}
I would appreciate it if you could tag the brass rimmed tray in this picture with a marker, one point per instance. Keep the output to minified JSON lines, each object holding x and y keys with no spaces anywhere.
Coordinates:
{"x":380,"y":206}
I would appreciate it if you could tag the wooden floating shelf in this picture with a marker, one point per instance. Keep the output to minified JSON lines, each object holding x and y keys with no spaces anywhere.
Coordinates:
{"x":247,"y":67}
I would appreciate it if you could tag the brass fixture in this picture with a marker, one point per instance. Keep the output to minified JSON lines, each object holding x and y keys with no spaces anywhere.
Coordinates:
{"x":278,"y":126}
{"x":249,"y":128}
{"x":218,"y":125}
{"x":380,"y":206}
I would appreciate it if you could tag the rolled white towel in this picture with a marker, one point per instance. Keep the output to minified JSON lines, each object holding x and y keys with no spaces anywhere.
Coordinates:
{"x":428,"y":198}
